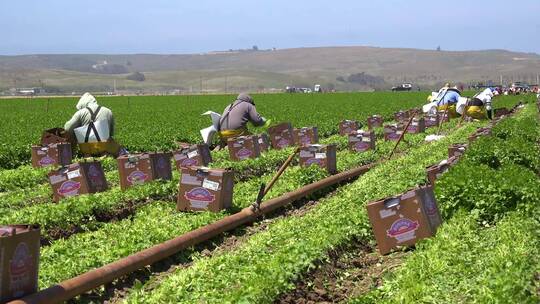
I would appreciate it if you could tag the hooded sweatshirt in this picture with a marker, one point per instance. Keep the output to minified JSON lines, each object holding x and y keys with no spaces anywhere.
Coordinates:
{"x":240,"y":112}
{"x":82,"y":116}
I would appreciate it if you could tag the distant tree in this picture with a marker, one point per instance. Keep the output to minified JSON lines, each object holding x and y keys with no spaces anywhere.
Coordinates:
{"x":438,"y":48}
{"x":330,"y":86}
{"x":365,"y":79}
{"x":255,"y":48}
{"x":340,"y":78}
{"x":137,"y":76}
{"x":128,"y":63}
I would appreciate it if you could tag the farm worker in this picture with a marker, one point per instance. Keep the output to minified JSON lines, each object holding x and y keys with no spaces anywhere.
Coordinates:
{"x":445,"y":100}
{"x":233,"y":121}
{"x":479,"y":106}
{"x":93,"y":126}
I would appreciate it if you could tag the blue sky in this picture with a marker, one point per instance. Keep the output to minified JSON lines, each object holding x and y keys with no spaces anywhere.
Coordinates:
{"x":163,"y":26}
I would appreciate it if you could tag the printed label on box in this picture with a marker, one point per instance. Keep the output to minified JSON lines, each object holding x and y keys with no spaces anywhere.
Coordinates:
{"x":317,"y":161}
{"x":243,"y":153}
{"x":73,"y":174}
{"x":282,"y":143}
{"x":384,"y":213}
{"x":208,"y":184}
{"x":403,"y":230}
{"x":187,"y":162}
{"x":199,"y":196}
{"x":46,"y":161}
{"x":137,"y":177}
{"x":69,"y":188}
{"x":320,"y":155}
{"x":190,"y":180}
{"x":20,"y":267}
{"x":55,"y":179}
{"x":179,"y":156}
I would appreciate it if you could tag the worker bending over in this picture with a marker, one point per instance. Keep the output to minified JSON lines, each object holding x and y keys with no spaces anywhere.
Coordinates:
{"x":479,"y":106}
{"x":93,"y":126}
{"x":233,"y":122}
{"x":445,"y":100}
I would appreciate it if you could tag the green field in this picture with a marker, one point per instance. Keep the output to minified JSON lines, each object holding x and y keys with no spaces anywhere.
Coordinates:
{"x":486,"y":251}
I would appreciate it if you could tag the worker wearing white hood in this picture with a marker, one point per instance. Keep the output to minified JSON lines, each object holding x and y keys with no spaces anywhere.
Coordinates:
{"x":93,"y":126}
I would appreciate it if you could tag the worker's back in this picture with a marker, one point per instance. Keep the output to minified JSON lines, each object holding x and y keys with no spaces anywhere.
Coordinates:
{"x":236,"y":115}
{"x":83,"y":118}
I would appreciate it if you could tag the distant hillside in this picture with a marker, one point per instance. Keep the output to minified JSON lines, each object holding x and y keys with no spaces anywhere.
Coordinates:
{"x":254,"y":70}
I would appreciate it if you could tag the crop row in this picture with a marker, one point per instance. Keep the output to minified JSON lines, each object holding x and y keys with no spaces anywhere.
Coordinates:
{"x":158,"y":221}
{"x":266,"y":264}
{"x":489,"y":250}
{"x":153,"y":123}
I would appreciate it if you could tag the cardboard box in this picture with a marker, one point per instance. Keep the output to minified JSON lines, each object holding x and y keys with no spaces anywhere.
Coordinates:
{"x":401,"y":116}
{"x":264,"y":142}
{"x":417,"y":126}
{"x":431,"y":120}
{"x":362,"y":141}
{"x":393,"y":132}
{"x":305,"y":136}
{"x":404,"y":219}
{"x":76,"y":179}
{"x":243,"y":147}
{"x":435,"y":171}
{"x":192,"y":155}
{"x":161,"y":165}
{"x":348,"y":126}
{"x":19,"y":261}
{"x":59,"y":154}
{"x":480,"y":132}
{"x":456,"y":150}
{"x":134,"y":169}
{"x":53,"y":136}
{"x":205,"y":189}
{"x":281,"y":136}
{"x":322,"y":155}
{"x":501,"y":112}
{"x":374,"y":121}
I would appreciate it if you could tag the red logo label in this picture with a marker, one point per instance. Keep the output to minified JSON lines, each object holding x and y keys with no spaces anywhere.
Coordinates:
{"x":137,"y":177}
{"x":316,"y":161}
{"x":199,"y":194}
{"x":95,"y":175}
{"x":243,"y":153}
{"x":46,"y":161}
{"x":361,"y":146}
{"x":19,"y":269}
{"x":187,"y":162}
{"x":402,"y":229}
{"x":69,"y":188}
{"x":282,"y":143}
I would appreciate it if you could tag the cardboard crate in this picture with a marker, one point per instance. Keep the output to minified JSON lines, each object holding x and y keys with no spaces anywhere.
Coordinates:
{"x":76,"y":179}
{"x":417,"y":125}
{"x":243,"y":147}
{"x":433,"y":172}
{"x":19,"y":261}
{"x":401,"y":116}
{"x":192,"y":155}
{"x":322,"y":155}
{"x":281,"y":136}
{"x":134,"y":169}
{"x":457,"y":150}
{"x":393,"y":132}
{"x":348,"y":126}
{"x":54,"y":136}
{"x":59,"y":154}
{"x":305,"y":136}
{"x":161,"y":165}
{"x":202,"y":189}
{"x":431,"y":120}
{"x":264,"y":142}
{"x":502,"y":112}
{"x":362,"y":141}
{"x":374,"y":121}
{"x":404,"y":219}
{"x":479,"y":132}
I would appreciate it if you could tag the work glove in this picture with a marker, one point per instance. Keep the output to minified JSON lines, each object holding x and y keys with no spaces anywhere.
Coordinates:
{"x":267,"y":123}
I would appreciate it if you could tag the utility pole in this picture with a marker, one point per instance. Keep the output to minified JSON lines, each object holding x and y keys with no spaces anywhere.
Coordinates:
{"x":501,"y":82}
{"x":537,"y":79}
{"x":226,"y":88}
{"x":114,"y":86}
{"x":200,"y":84}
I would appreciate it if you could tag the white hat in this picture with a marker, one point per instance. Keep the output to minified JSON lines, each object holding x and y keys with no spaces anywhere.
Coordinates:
{"x":85,"y":101}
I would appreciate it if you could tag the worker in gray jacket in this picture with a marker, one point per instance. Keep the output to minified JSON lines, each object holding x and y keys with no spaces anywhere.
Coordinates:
{"x":93,"y":126}
{"x":233,"y":122}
